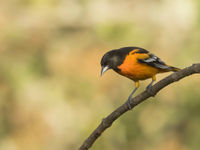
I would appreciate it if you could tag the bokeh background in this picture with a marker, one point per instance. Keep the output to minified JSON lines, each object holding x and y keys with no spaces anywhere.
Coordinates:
{"x":51,"y":93}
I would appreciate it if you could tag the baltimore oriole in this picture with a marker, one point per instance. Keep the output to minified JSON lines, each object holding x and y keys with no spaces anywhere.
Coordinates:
{"x":136,"y":64}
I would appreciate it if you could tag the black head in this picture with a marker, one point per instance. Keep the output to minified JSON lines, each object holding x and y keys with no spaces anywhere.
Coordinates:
{"x":110,"y":59}
{"x":114,"y":58}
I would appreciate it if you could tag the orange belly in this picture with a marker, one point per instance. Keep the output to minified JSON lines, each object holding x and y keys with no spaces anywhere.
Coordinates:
{"x":135,"y":70}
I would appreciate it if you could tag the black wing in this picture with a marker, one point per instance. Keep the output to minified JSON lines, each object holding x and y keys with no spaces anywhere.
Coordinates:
{"x":154,"y":61}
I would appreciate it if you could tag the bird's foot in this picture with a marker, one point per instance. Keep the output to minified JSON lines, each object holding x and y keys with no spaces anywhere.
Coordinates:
{"x":128,"y":103}
{"x":148,"y":88}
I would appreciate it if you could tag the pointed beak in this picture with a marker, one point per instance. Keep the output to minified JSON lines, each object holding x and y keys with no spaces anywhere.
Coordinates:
{"x":104,"y":69}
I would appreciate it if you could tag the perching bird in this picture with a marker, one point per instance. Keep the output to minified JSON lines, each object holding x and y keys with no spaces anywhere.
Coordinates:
{"x":136,"y":64}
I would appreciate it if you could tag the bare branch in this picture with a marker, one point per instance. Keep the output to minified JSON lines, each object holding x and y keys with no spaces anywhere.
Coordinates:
{"x":107,"y":122}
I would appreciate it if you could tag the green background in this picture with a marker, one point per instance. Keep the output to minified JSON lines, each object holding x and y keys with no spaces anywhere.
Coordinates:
{"x":51,"y":93}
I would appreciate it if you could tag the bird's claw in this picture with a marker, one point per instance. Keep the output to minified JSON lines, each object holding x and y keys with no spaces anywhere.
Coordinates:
{"x":148,"y":88}
{"x":128,"y":103}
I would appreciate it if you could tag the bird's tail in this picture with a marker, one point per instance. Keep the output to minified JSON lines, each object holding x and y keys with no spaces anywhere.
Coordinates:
{"x":174,"y":69}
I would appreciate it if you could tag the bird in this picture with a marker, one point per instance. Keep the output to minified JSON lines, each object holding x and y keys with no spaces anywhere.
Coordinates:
{"x":136,"y":64}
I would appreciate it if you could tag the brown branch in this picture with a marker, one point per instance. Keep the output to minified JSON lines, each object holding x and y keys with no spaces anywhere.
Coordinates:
{"x":107,"y":122}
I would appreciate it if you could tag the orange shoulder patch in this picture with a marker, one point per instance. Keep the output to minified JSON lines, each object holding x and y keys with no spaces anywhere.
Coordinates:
{"x":134,"y":70}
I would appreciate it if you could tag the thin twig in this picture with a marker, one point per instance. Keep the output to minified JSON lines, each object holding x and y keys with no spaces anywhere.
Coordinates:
{"x":107,"y":122}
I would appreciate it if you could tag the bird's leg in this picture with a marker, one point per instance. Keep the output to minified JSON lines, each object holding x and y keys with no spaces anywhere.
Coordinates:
{"x":137,"y":84}
{"x":150,"y":85}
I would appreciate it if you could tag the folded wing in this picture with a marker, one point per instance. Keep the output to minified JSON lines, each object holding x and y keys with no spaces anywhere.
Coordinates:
{"x":154,"y":61}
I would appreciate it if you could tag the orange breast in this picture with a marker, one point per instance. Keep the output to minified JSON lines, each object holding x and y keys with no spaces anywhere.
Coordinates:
{"x":135,"y":70}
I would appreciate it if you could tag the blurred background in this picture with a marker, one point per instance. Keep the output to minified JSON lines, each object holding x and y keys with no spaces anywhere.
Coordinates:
{"x":51,"y":93}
